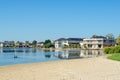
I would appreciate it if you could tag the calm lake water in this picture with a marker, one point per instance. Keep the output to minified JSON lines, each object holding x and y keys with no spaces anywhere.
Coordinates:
{"x":11,"y":56}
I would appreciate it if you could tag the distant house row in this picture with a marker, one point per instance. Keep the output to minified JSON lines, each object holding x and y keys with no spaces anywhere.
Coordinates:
{"x":96,"y":42}
{"x":19,"y":44}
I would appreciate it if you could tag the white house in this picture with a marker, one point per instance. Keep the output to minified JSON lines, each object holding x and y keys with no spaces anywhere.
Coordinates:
{"x":40,"y":44}
{"x":60,"y":43}
{"x":98,"y":42}
{"x":1,"y":44}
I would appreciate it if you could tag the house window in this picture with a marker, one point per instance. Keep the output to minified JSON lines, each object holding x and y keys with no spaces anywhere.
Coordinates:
{"x":65,"y":41}
{"x":99,"y":46}
{"x":111,"y":41}
{"x":99,"y":41}
{"x":104,"y":40}
{"x":90,"y":45}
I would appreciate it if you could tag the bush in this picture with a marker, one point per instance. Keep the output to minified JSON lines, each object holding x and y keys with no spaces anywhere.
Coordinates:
{"x":117,"y":49}
{"x":112,"y":49}
{"x":109,"y":50}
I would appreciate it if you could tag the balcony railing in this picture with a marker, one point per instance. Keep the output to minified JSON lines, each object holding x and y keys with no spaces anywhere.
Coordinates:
{"x":93,"y":42}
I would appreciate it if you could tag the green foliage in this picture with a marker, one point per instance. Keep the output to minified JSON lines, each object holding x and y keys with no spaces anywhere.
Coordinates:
{"x":66,"y":46}
{"x":118,"y":40}
{"x":106,"y":50}
{"x":115,"y":57}
{"x":26,"y":42}
{"x":34,"y":43}
{"x":117,"y":49}
{"x":48,"y":44}
{"x":110,"y":50}
{"x":110,"y":36}
{"x":72,"y":46}
{"x":85,"y":46}
{"x":47,"y":41}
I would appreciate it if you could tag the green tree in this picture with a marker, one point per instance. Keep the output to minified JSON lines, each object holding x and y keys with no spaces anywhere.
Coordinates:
{"x":93,"y":36}
{"x":85,"y":46}
{"x":66,"y":46}
{"x":12,"y":44}
{"x":26,"y":42}
{"x":110,"y":36}
{"x":17,"y":44}
{"x":78,"y":46}
{"x":107,"y":50}
{"x":48,"y":44}
{"x":118,"y":40}
{"x":34,"y":43}
{"x":111,"y":50}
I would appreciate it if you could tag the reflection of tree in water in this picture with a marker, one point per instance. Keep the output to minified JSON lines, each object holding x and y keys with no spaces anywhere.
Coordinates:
{"x":47,"y":55}
{"x":27,"y":51}
{"x":46,"y":50}
{"x":15,"y":55}
{"x":74,"y":54}
{"x":34,"y":50}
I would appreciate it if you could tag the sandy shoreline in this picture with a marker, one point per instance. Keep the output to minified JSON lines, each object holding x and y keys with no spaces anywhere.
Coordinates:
{"x":98,"y":68}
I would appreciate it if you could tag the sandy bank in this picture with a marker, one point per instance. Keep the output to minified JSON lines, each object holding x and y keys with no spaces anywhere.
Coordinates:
{"x":78,"y":69}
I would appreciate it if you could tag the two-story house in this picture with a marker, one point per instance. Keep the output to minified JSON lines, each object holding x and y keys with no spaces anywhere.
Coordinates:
{"x":98,"y":42}
{"x":60,"y":43}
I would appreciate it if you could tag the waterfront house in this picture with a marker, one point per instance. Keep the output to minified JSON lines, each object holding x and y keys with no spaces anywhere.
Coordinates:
{"x":60,"y":43}
{"x":40,"y":44}
{"x":98,"y":42}
{"x":1,"y":44}
{"x":19,"y":44}
{"x":8,"y":44}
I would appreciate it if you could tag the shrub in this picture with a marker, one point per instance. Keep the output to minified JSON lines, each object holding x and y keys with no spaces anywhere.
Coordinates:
{"x":109,"y":50}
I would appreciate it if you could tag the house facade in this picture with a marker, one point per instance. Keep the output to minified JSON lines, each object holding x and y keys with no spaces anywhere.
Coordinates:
{"x":40,"y":44}
{"x":60,"y":43}
{"x":98,"y":42}
{"x":1,"y":44}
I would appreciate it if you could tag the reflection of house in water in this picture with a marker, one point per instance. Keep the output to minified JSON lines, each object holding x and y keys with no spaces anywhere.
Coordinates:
{"x":1,"y":50}
{"x":68,"y":54}
{"x":73,"y":54}
{"x":91,"y":53}
{"x":17,"y":50}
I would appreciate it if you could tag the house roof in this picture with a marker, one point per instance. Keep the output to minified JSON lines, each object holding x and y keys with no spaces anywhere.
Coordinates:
{"x":98,"y":36}
{"x":61,"y":39}
{"x":77,"y":39}
{"x":40,"y":42}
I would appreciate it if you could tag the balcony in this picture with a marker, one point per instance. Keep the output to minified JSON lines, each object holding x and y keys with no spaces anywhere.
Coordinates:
{"x":92,"y":42}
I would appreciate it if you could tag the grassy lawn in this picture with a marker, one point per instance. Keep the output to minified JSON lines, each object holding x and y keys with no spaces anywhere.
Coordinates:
{"x":115,"y":57}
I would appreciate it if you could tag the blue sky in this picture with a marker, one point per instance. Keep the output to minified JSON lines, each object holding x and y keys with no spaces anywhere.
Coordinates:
{"x":51,"y":19}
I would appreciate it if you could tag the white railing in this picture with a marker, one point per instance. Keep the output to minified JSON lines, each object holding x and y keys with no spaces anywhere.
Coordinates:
{"x":92,"y":42}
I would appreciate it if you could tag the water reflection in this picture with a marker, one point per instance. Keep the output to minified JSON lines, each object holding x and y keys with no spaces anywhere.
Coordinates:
{"x":73,"y":54}
{"x":62,"y":54}
{"x":18,"y":50}
{"x":28,"y":55}
{"x":47,"y":55}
